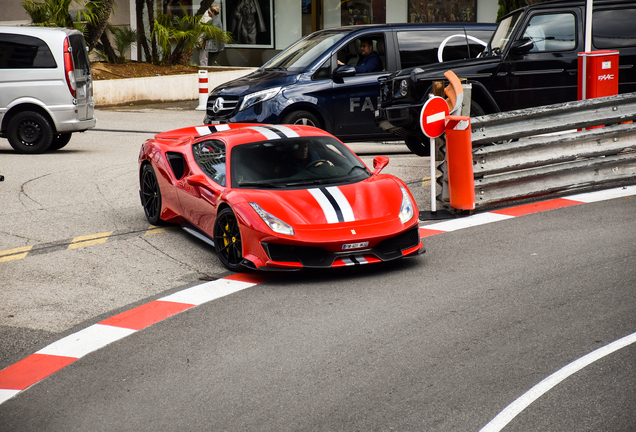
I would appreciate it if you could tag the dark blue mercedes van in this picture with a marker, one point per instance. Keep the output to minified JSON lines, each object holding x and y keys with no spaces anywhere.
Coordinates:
{"x":314,"y":81}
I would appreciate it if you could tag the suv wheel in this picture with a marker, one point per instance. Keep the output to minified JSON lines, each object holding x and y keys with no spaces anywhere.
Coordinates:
{"x":302,"y":118}
{"x":60,"y":140}
{"x":419,"y":146}
{"x":30,"y":132}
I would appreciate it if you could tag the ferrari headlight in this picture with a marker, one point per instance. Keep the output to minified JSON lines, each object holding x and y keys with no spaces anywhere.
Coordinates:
{"x":260,"y":96}
{"x":404,"y":88}
{"x":272,"y":221}
{"x":406,"y":211}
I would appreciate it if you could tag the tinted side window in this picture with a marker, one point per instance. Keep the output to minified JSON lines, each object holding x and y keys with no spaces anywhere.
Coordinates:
{"x":476,"y":47}
{"x":24,"y":52}
{"x":552,"y":32}
{"x":210,"y":156}
{"x":80,"y":56}
{"x":419,"y":48}
{"x":614,"y":28}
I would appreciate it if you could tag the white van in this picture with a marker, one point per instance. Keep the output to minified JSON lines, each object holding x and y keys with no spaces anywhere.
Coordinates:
{"x":46,"y":89}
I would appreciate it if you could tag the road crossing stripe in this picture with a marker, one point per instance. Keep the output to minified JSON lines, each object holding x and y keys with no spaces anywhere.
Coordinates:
{"x":67,"y":350}
{"x":15,"y":254}
{"x":89,"y":240}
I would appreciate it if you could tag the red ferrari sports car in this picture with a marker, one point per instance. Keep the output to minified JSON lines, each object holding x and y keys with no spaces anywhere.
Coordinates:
{"x":277,"y":197}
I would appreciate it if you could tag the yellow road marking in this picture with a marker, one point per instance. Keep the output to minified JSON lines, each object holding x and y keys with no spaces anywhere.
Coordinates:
{"x":152,"y":229}
{"x":426,"y":181}
{"x":89,"y":240}
{"x":14,"y":254}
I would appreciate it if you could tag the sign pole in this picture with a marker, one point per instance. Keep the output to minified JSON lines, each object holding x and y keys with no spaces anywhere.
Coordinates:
{"x":433,"y":175}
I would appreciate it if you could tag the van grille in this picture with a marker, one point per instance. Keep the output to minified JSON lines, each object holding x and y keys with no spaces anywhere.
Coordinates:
{"x":222,"y":106}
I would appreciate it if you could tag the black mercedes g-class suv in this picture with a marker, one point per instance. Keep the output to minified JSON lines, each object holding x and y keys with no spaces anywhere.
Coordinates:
{"x":531,"y":60}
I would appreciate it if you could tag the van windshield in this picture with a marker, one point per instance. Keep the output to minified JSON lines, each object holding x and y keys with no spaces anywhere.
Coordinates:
{"x":304,"y":52}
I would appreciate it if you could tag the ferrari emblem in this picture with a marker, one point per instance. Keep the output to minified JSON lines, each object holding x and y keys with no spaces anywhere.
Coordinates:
{"x":353,"y":231}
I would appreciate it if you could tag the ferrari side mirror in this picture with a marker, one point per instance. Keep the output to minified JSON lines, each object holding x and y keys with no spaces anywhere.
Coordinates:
{"x":379,"y":162}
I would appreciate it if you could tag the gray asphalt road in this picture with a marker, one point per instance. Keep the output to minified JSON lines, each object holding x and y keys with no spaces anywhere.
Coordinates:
{"x":442,"y":342}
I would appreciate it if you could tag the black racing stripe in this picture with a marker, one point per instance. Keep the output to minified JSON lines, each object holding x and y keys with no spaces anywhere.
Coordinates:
{"x":276,"y":131}
{"x":355,"y":261}
{"x":334,"y":204}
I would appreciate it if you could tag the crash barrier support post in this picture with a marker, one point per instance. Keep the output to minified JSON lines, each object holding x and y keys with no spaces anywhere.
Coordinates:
{"x":203,"y":90}
{"x":537,"y":152}
{"x":459,"y":158}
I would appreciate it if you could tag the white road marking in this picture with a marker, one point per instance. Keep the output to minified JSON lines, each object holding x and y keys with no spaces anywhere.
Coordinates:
{"x":511,"y":411}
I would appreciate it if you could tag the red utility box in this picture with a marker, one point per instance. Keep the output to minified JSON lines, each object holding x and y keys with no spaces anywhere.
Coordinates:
{"x":598,"y":74}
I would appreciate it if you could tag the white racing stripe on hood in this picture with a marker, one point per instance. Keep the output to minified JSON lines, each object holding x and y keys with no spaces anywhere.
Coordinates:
{"x":333,"y":204}
{"x":345,"y":207}
{"x":327,"y":208}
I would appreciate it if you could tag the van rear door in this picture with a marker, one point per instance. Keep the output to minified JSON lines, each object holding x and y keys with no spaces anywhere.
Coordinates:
{"x":83,"y":77}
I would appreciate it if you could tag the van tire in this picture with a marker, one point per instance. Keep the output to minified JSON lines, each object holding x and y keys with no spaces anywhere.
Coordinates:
{"x":60,"y":140}
{"x":30,"y":132}
{"x":302,"y":118}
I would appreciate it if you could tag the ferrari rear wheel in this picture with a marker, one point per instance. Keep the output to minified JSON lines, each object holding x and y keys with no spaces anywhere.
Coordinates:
{"x":227,"y":240}
{"x":150,"y":194}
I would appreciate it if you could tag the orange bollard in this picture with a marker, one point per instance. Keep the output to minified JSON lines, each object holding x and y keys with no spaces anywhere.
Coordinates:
{"x":459,"y":157}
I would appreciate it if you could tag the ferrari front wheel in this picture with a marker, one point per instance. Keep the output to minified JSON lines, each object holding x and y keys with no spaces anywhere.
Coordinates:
{"x":227,"y":240}
{"x":150,"y":194}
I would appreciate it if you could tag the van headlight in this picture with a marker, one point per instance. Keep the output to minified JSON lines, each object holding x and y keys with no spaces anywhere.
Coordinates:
{"x":272,"y":221}
{"x":260,"y":96}
{"x":406,"y":211}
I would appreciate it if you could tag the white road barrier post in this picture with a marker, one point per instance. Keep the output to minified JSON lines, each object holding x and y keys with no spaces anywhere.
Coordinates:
{"x":203,"y":90}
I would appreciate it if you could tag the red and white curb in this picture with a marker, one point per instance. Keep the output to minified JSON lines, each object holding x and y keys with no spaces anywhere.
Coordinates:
{"x":512,"y":212}
{"x":67,"y":350}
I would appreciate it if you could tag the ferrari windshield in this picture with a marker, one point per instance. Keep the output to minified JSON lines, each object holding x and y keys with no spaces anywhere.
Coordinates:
{"x":304,"y":52}
{"x":502,"y":35}
{"x":294,"y":163}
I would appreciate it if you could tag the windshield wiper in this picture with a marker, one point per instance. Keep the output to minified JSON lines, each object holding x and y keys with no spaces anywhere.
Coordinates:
{"x":356,"y":166}
{"x":314,"y":182}
{"x":262,"y":184}
{"x":276,"y":68}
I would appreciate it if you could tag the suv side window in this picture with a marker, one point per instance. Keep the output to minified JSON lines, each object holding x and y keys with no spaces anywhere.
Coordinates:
{"x":24,"y":52}
{"x":614,"y":28}
{"x":418,"y":48}
{"x":552,"y":32}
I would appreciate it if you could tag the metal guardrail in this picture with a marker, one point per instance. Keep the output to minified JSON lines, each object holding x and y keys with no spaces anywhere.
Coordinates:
{"x":513,"y":160}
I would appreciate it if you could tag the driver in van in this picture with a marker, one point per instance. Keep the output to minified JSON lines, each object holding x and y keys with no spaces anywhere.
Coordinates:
{"x":369,"y":60}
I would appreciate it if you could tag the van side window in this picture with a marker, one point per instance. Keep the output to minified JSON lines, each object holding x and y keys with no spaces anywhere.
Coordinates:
{"x":24,"y":52}
{"x":552,"y":32}
{"x":419,"y":48}
{"x":324,"y":71}
{"x":80,"y":55}
{"x":614,"y":28}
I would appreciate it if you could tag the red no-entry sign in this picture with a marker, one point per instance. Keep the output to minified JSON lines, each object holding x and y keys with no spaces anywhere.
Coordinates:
{"x":432,"y":117}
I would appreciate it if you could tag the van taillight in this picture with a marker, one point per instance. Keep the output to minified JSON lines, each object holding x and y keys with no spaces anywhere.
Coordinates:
{"x":69,"y":68}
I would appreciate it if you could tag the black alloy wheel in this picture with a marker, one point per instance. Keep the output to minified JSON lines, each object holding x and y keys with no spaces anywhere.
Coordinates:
{"x":30,"y":132}
{"x":150,"y":194}
{"x":227,"y":240}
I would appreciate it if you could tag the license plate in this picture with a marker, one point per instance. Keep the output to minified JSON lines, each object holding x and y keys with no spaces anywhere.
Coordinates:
{"x":355,"y":245}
